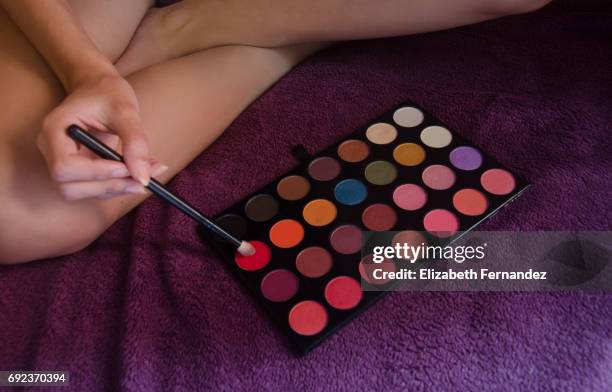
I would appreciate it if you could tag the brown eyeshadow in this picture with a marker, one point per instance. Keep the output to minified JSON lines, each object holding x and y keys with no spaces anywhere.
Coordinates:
{"x":353,"y":151}
{"x":261,"y":208}
{"x":313,"y":262}
{"x":293,"y":188}
{"x":324,"y":169}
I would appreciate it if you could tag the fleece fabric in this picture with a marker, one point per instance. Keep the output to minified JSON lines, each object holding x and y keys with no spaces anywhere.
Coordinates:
{"x":148,"y":307}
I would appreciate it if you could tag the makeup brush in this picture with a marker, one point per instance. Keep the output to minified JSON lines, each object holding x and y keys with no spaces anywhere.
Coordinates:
{"x":104,"y":151}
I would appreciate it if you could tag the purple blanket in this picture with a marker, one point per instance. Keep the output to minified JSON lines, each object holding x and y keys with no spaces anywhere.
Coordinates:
{"x":149,"y":307}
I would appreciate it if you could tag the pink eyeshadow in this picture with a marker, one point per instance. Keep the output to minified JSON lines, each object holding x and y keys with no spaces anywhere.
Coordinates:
{"x":441,"y":223}
{"x":409,"y":197}
{"x":498,"y":181}
{"x":438,"y":177}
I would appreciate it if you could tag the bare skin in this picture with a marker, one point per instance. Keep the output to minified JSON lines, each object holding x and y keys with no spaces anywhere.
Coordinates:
{"x":193,"y":25}
{"x":202,"y":70}
{"x":34,"y":210}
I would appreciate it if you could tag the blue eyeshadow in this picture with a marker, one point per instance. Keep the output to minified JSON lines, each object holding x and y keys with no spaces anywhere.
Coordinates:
{"x":350,"y":192}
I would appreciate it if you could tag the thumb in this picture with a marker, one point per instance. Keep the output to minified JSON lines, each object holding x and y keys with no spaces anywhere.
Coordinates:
{"x":135,"y":145}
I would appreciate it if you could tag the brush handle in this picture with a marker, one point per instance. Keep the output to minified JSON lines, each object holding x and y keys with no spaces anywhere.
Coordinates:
{"x":104,"y":151}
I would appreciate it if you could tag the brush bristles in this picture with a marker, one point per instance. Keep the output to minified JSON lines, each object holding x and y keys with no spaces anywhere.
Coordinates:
{"x":246,"y":249}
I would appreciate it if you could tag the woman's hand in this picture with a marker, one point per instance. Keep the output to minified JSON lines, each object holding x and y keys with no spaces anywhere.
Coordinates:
{"x":98,"y":100}
{"x":106,"y":106}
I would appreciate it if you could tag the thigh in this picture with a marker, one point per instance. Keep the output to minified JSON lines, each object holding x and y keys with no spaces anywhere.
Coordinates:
{"x":29,"y":91}
{"x":199,"y":95}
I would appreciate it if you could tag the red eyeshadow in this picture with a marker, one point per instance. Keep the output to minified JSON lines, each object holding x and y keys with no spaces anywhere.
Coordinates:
{"x":470,"y":202}
{"x":343,"y":293}
{"x":260,"y":259}
{"x":279,"y":285}
{"x":308,"y":318}
{"x":379,"y":217}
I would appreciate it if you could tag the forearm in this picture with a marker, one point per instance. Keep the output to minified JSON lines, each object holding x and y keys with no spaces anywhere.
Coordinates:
{"x":58,"y":36}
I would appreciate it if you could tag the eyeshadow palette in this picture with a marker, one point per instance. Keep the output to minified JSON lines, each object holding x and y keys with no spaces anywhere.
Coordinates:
{"x":406,"y":170}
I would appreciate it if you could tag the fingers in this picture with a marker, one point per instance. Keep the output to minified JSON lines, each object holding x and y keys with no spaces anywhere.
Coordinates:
{"x":106,"y":189}
{"x":87,"y":189}
{"x":79,"y":168}
{"x":135,"y":145}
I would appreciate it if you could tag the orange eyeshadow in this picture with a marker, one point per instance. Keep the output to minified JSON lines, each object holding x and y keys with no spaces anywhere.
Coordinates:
{"x":286,"y":233}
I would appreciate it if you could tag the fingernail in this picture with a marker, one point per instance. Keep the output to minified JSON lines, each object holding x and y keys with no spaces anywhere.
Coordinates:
{"x":138,"y":189}
{"x":120,"y":172}
{"x":160,"y":170}
{"x":140,"y":175}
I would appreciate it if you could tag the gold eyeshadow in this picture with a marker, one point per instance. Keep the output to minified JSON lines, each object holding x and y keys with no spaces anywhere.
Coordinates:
{"x":404,"y":171}
{"x":409,"y":154}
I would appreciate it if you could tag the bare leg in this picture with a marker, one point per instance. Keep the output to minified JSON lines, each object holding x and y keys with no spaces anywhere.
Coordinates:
{"x":29,"y":91}
{"x":34,"y":211}
{"x":193,"y":25}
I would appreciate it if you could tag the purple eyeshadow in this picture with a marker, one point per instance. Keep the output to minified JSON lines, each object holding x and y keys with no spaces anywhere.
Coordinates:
{"x":466,"y":158}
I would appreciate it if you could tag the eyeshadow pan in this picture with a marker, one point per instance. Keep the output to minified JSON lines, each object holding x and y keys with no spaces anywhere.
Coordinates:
{"x":470,"y":202}
{"x":293,"y":188}
{"x":261,"y":208}
{"x":441,"y":223}
{"x":409,"y":237}
{"x":350,"y":192}
{"x":279,"y":285}
{"x":313,"y":262}
{"x":343,"y":292}
{"x":381,"y":133}
{"x":324,"y":169}
{"x":380,"y":173}
{"x":367,"y":268}
{"x":409,"y":197}
{"x":353,"y":151}
{"x":346,"y":239}
{"x":436,"y":136}
{"x":408,"y":116}
{"x":498,"y":181}
{"x":409,"y":154}
{"x":319,"y":212}
{"x":233,"y":224}
{"x":286,"y":233}
{"x":379,"y":217}
{"x":256,"y":261}
{"x":438,"y":177}
{"x":466,"y":158}
{"x":308,"y":318}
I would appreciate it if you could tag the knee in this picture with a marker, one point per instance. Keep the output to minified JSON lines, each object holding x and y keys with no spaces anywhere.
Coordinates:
{"x":512,"y":7}
{"x":24,"y":237}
